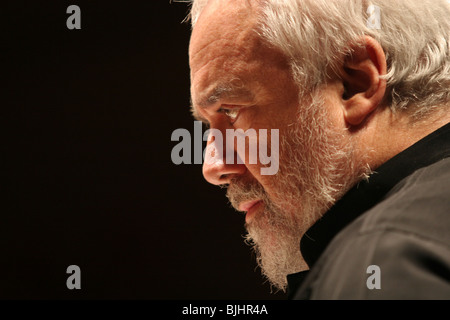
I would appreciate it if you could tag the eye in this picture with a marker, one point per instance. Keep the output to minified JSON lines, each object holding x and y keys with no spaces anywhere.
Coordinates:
{"x":231,"y":113}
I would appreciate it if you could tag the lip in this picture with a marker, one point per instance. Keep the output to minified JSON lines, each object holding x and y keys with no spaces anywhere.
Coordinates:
{"x":250,"y":207}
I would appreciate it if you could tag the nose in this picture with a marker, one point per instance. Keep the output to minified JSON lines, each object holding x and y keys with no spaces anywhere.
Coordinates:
{"x":217,"y":169}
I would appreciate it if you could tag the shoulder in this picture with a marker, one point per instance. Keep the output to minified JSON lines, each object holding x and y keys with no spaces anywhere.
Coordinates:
{"x":404,"y":241}
{"x":419,"y":204}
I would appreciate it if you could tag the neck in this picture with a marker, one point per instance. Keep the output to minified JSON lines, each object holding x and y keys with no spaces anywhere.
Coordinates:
{"x":387,"y":134}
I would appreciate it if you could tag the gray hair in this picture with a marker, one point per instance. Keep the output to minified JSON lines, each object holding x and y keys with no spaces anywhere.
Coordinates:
{"x":315,"y":36}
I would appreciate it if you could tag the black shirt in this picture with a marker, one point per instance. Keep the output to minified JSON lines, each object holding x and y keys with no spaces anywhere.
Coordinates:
{"x":397,"y":221}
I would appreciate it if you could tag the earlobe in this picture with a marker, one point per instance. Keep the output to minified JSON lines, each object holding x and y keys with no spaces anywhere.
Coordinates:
{"x":363,"y":88}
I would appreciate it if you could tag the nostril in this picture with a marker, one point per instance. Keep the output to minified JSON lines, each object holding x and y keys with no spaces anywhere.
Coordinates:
{"x":218,"y":172}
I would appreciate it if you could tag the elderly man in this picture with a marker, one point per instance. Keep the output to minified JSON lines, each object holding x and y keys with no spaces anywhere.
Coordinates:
{"x":359,"y":91}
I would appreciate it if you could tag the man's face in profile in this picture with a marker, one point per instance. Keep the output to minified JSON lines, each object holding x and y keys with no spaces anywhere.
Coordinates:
{"x":239,"y":82}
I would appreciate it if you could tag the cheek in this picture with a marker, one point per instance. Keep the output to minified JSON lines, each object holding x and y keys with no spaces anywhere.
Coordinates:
{"x":259,"y":150}
{"x":332,"y":101}
{"x":273,"y":148}
{"x":268,"y":182}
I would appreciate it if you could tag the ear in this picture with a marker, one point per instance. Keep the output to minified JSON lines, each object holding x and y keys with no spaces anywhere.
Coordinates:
{"x":363,"y":88}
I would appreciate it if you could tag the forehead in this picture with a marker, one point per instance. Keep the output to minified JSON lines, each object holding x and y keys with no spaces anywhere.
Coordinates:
{"x":229,"y":14}
{"x":224,"y":28}
{"x":225,"y":48}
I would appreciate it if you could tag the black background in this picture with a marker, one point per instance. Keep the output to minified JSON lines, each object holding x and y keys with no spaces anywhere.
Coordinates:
{"x":86,"y":173}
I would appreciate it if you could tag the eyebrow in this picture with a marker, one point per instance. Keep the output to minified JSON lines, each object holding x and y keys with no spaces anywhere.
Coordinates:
{"x":221,"y":92}
{"x":218,"y":93}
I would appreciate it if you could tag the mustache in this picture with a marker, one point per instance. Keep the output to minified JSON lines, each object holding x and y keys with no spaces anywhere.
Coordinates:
{"x":240,"y":190}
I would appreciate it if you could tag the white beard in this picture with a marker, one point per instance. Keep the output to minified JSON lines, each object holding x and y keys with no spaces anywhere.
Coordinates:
{"x":316,"y":168}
